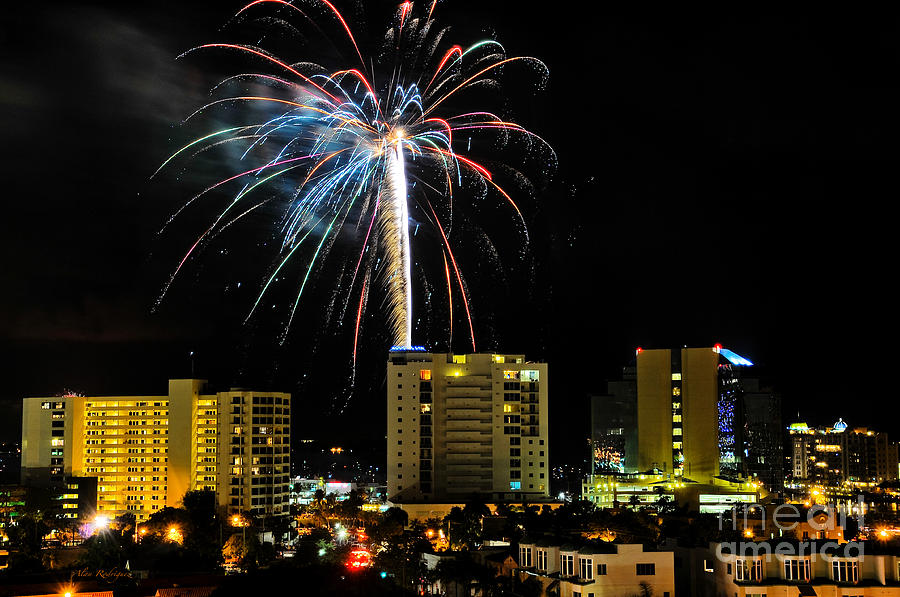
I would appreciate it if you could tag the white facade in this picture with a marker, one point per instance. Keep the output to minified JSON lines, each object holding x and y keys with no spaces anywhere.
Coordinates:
{"x":774,"y":574}
{"x":606,"y":571}
{"x":464,"y":424}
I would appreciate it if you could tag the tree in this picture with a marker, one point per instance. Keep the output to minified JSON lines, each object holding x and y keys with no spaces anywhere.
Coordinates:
{"x":664,"y":504}
{"x":103,"y":551}
{"x":463,"y":526}
{"x":465,"y":572}
{"x":27,"y":537}
{"x":391,"y":523}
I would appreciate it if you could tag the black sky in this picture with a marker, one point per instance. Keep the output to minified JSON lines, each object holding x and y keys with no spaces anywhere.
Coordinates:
{"x":721,"y":179}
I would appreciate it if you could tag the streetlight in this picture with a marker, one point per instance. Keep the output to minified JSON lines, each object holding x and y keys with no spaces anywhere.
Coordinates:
{"x":239,"y":521}
{"x":174,"y":534}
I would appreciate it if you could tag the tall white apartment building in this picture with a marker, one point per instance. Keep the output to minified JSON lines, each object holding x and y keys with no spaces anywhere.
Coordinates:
{"x":464,"y":425}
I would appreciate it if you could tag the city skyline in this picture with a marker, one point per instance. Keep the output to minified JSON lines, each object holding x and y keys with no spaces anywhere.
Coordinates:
{"x":695,"y":214}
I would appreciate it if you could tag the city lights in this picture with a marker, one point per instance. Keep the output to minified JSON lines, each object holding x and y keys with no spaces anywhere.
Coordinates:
{"x":174,"y":535}
{"x":359,"y":558}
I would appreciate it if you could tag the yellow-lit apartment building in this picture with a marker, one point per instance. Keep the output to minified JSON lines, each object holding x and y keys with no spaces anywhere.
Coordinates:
{"x":147,"y":451}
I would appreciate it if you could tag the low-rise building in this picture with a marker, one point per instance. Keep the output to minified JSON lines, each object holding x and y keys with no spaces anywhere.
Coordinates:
{"x":789,"y":567}
{"x":597,"y":570}
{"x":656,"y":489}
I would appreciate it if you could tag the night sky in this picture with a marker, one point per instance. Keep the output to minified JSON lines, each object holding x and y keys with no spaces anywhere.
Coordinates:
{"x":721,"y":179}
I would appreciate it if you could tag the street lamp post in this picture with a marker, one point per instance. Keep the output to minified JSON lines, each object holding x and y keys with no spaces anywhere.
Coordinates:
{"x":239,"y":521}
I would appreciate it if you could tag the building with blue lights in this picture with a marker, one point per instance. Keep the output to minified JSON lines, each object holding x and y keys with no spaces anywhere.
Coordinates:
{"x":690,"y":412}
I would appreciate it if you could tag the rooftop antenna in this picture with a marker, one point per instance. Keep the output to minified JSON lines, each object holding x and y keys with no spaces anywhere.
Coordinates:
{"x":192,"y":364}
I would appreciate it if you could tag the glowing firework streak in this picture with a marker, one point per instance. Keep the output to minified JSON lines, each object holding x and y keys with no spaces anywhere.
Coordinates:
{"x":353,"y":153}
{"x":394,"y":224}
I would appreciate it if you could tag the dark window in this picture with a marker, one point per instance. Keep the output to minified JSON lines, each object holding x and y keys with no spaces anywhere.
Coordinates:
{"x":645,"y":569}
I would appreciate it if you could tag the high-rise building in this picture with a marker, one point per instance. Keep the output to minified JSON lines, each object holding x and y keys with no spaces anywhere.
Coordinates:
{"x":614,"y":426}
{"x":147,"y":451}
{"x":464,"y":425}
{"x":763,"y":434}
{"x":838,"y":459}
{"x":689,"y":413}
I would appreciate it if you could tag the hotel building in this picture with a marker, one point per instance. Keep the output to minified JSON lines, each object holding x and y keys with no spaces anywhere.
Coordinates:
{"x":677,"y":428}
{"x":689,"y":412}
{"x":146,"y":452}
{"x":468,"y":424}
{"x":838,"y":460}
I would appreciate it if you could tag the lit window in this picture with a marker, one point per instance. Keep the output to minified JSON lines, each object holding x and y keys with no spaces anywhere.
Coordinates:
{"x":676,"y":391}
{"x":499,"y":358}
{"x":676,"y":431}
{"x":676,"y":445}
{"x":425,"y":374}
{"x":459,"y":359}
{"x":676,"y":418}
{"x":529,"y":375}
{"x":510,"y":375}
{"x":676,"y":377}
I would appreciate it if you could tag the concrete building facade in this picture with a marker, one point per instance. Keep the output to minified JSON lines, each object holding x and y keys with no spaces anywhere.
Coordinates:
{"x":838,"y":458}
{"x":464,"y":425}
{"x":597,"y":570}
{"x":788,"y":568}
{"x":690,"y":412}
{"x":146,"y":452}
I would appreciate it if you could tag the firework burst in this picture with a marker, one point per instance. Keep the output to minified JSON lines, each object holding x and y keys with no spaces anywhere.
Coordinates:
{"x":359,"y":156}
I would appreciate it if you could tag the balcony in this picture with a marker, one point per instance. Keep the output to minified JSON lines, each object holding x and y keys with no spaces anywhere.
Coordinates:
{"x":468,"y":422}
{"x":465,"y":435}
{"x":469,"y":457}
{"x":474,"y":446}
